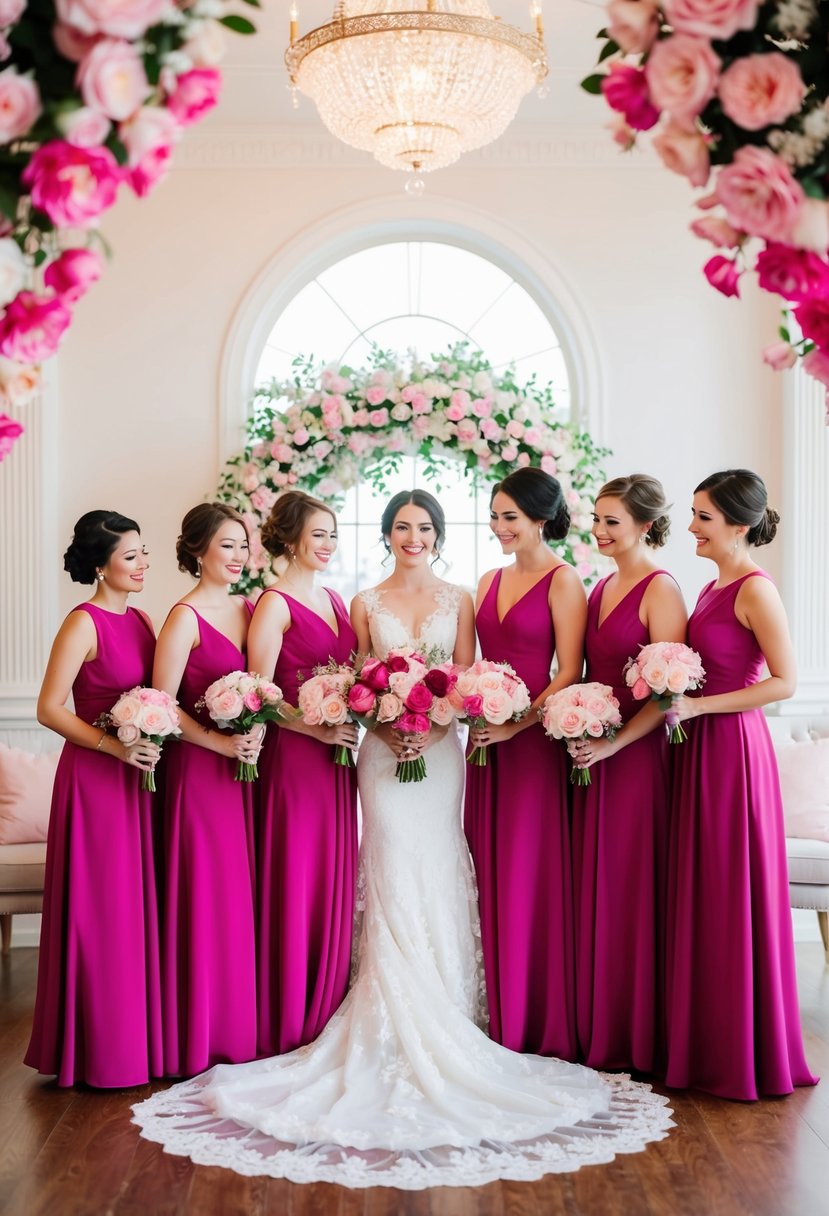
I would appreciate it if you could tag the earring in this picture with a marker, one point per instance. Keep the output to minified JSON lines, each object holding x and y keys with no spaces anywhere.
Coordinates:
{"x":735,"y":545}
{"x":641,"y":537}
{"x":99,"y":574}
{"x":198,"y":567}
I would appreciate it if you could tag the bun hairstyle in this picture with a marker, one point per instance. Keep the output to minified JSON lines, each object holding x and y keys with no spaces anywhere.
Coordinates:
{"x":540,"y":497}
{"x":418,"y":498}
{"x":285,"y":524}
{"x":644,"y":498}
{"x":95,"y":538}
{"x":198,"y":528}
{"x":742,"y":498}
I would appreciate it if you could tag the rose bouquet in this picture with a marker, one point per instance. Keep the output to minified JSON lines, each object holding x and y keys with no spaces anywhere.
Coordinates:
{"x":146,"y":713}
{"x":664,"y":670}
{"x":489,"y":694}
{"x":581,"y":711}
{"x":323,"y":701}
{"x":409,"y":694}
{"x":239,"y":701}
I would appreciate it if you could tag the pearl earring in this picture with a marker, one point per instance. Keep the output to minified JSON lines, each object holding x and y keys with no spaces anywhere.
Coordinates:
{"x":99,"y":574}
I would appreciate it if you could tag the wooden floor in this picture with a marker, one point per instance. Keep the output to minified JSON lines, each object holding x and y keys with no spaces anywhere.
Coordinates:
{"x":75,"y":1152}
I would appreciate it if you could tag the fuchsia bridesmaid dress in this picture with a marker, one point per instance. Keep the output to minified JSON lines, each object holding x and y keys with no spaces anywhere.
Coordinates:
{"x":518,"y":827}
{"x":97,"y":1012}
{"x":208,"y":931}
{"x":733,"y":1023}
{"x":620,"y":857}
{"x":307,"y":851}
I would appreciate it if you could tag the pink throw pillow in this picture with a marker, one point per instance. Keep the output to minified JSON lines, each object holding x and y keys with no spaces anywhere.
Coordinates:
{"x":25,"y":794}
{"x":804,"y":781}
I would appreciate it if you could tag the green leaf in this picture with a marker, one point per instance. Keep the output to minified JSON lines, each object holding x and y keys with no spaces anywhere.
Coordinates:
{"x":610,"y":48}
{"x":239,"y":25}
{"x":253,"y":3}
{"x":813,"y":188}
{"x":593,"y":84}
{"x":784,"y":333}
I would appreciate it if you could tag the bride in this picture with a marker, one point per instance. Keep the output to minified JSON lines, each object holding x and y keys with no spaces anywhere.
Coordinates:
{"x":403,"y":1087}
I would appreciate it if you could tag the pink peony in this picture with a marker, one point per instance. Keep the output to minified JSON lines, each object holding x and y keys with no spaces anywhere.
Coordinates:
{"x":361,"y":699}
{"x":684,"y":152}
{"x":413,"y":724}
{"x":633,"y":24}
{"x":195,"y":94}
{"x":32,"y":327}
{"x":73,"y":272}
{"x":83,"y":127}
{"x":795,"y":274}
{"x":72,"y":186}
{"x":813,"y":319}
{"x":758,"y":91}
{"x":816,"y":365}
{"x":759,"y":194}
{"x":722,"y":273}
{"x":682,"y":74}
{"x":625,"y":89}
{"x":718,"y":231}
{"x":121,"y":19}
{"x":780,"y":356}
{"x":10,"y":432}
{"x":717,"y":19}
{"x":19,"y":104}
{"x":112,"y":79}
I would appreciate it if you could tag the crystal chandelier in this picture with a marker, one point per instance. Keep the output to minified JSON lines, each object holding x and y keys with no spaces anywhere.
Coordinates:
{"x":416,"y":82}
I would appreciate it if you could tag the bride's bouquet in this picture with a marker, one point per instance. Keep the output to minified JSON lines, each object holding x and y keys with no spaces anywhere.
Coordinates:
{"x":143,"y":713}
{"x":489,"y":694}
{"x":664,"y":670}
{"x":324,"y":701}
{"x":407,"y":692}
{"x":238,"y":702}
{"x":581,"y":711}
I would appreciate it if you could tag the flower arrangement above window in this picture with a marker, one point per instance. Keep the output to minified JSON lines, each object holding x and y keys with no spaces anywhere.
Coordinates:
{"x":327,"y":428}
{"x":738,"y":89}
{"x":93,"y":97}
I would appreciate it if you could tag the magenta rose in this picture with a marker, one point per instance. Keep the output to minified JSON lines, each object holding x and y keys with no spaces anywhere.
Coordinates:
{"x":10,"y":432}
{"x":794,"y":274}
{"x":71,"y":185}
{"x":397,"y":662}
{"x":813,"y":319}
{"x":473,"y":706}
{"x":375,"y":673}
{"x":684,"y":152}
{"x":439,"y":682}
{"x":419,"y":699}
{"x":124,"y":19}
{"x":361,"y":698}
{"x":625,"y":89}
{"x":73,"y":272}
{"x":722,"y":273}
{"x":759,"y":194}
{"x":112,"y":79}
{"x":19,"y":104}
{"x":761,"y":90}
{"x":196,"y":92}
{"x":717,"y":19}
{"x":412,"y":724}
{"x":32,"y":327}
{"x":682,"y":74}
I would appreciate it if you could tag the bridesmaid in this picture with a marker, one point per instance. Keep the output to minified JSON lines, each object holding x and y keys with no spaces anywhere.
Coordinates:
{"x":208,"y":948}
{"x":620,"y":820}
{"x":516,"y":817}
{"x":97,"y":1012}
{"x":308,"y":804}
{"x":733,"y":1020}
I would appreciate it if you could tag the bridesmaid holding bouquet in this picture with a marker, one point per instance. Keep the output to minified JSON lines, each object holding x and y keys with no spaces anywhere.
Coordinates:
{"x":208,"y":942}
{"x":516,"y":816}
{"x":620,"y":820}
{"x":97,"y":1012}
{"x":308,"y":804}
{"x":733,"y":1022}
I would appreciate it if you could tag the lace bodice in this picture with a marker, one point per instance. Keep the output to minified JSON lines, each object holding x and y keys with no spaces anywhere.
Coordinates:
{"x":437,"y":633}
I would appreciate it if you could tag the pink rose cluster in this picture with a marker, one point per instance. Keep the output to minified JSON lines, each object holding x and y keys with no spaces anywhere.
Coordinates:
{"x":324,"y":701}
{"x":665,"y":670}
{"x":144,"y":713}
{"x":581,"y":711}
{"x":240,"y":701}
{"x":489,"y":693}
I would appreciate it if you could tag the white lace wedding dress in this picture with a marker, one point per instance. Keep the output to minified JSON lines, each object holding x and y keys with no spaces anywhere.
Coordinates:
{"x":404,"y":1088}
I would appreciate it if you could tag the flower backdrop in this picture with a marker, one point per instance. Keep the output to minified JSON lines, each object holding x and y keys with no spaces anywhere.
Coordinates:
{"x":93,"y":97}
{"x":326,"y":428}
{"x":738,"y":90}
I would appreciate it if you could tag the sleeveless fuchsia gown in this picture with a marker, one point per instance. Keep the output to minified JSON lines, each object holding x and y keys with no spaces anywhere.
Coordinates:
{"x":518,"y":827}
{"x":98,"y":1007}
{"x":208,"y":930}
{"x":733,"y":1022}
{"x":307,"y":851}
{"x":620,"y":859}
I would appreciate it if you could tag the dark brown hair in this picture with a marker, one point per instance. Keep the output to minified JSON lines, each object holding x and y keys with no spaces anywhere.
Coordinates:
{"x":540,"y":497}
{"x":644,"y":498}
{"x":418,"y":498}
{"x":198,"y":528}
{"x":95,"y":537}
{"x":288,"y":517}
{"x":741,"y":496}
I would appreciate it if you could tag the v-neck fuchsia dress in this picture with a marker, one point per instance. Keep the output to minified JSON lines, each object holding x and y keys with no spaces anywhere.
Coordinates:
{"x":307,"y":840}
{"x":733,"y":1022}
{"x":517,"y":824}
{"x":208,"y":929}
{"x":620,"y":857}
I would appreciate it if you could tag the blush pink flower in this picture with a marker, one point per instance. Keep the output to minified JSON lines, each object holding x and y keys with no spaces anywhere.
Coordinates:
{"x":334,"y":710}
{"x":718,"y":19}
{"x":73,"y":272}
{"x":149,"y":137}
{"x":421,"y":404}
{"x":759,"y":91}
{"x":718,"y":231}
{"x":379,"y":417}
{"x":794,"y":274}
{"x":682,"y":74}
{"x":72,"y":186}
{"x":375,"y":394}
{"x":83,"y":127}
{"x":780,"y":356}
{"x":32,"y":326}
{"x":509,"y":452}
{"x":481,"y":407}
{"x":684,"y":152}
{"x":20,"y":104}
{"x":455,"y":412}
{"x":10,"y":12}
{"x":633,"y":24}
{"x":196,"y":92}
{"x":112,"y":79}
{"x":816,"y":365}
{"x":491,"y":430}
{"x":123,"y":19}
{"x":625,"y":89}
{"x":641,"y":689}
{"x":722,"y":273}
{"x":70,"y":42}
{"x":442,"y":711}
{"x":467,"y":431}
{"x":759,"y":194}
{"x":301,"y":436}
{"x":128,"y":734}
{"x":10,"y":432}
{"x":389,"y":708}
{"x":548,"y":464}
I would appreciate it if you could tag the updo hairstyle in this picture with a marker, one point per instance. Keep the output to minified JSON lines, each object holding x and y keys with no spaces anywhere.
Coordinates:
{"x":95,"y":538}
{"x":285,"y":524}
{"x":198,"y":528}
{"x":644,"y":498}
{"x":741,"y":496}
{"x":540,"y":497}
{"x":418,"y":498}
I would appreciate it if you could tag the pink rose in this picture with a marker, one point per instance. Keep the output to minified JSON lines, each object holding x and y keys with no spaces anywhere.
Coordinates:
{"x":360,"y":418}
{"x":19,"y":104}
{"x":226,"y":706}
{"x":83,"y":127}
{"x":124,"y":19}
{"x":473,"y":706}
{"x":515,"y":429}
{"x":718,"y":231}
{"x":253,"y":702}
{"x":270,"y":693}
{"x":301,"y":436}
{"x":421,"y":404}
{"x":19,"y":381}
{"x":816,"y":365}
{"x":641,"y":690}
{"x":442,"y":711}
{"x":717,"y":19}
{"x":548,"y":464}
{"x":128,"y":734}
{"x":73,"y":272}
{"x":375,"y":394}
{"x":282,"y":452}
{"x":684,"y":152}
{"x":361,"y":699}
{"x":780,"y":356}
{"x":149,"y":137}
{"x":72,"y":186}
{"x":491,"y":430}
{"x":390,"y":708}
{"x":813,"y":319}
{"x":795,"y":274}
{"x":633,"y":24}
{"x":572,"y":722}
{"x":419,"y":699}
{"x":467,"y":431}
{"x":10,"y":12}
{"x":759,"y":91}
{"x":594,"y":728}
{"x":625,"y":89}
{"x":682,"y":74}
{"x":378,"y":417}
{"x":125,"y":710}
{"x":481,"y":407}
{"x":334,"y":710}
{"x":196,"y":92}
{"x":455,"y":412}
{"x":32,"y":327}
{"x":656,"y":675}
{"x":461,"y":400}
{"x":155,"y":720}
{"x":759,"y":194}
{"x":509,"y":452}
{"x":375,"y":673}
{"x":71,"y":43}
{"x":10,"y":432}
{"x":722,"y":273}
{"x":413,"y":724}
{"x":112,"y":79}
{"x":497,"y":707}
{"x":677,"y":678}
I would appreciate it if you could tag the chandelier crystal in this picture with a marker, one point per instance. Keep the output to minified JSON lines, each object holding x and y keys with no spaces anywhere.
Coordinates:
{"x":416,"y":88}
